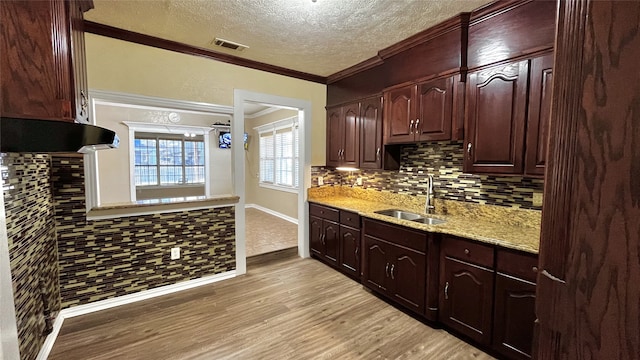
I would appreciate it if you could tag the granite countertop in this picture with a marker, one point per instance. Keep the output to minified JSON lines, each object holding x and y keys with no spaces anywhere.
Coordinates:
{"x":487,"y":227}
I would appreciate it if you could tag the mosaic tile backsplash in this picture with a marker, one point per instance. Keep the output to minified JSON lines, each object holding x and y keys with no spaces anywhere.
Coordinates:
{"x":103,"y":259}
{"x":32,"y":247}
{"x":444,"y":160}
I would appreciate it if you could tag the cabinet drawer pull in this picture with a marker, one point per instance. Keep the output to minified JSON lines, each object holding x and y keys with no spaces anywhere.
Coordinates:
{"x":411,"y":127}
{"x":357,"y":251}
{"x":466,"y":251}
{"x":469,"y":146}
{"x":392,"y":267}
{"x":446,"y":290}
{"x":417,"y":124}
{"x":378,"y":154}
{"x":386,"y":269}
{"x":322,"y":239}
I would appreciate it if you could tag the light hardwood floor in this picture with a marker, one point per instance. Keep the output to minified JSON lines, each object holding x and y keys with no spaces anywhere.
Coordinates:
{"x":286,"y":309}
{"x":266,"y":233}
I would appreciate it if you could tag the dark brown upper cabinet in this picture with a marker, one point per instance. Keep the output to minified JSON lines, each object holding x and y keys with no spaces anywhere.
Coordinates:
{"x":539,"y":114}
{"x":419,"y":112}
{"x":496,"y":119}
{"x":371,"y":150}
{"x":343,"y":145}
{"x":354,"y":136}
{"x":43,"y":60}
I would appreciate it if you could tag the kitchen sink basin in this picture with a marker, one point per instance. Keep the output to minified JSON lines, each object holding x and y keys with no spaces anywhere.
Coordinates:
{"x":430,"y":221}
{"x":406,"y":215}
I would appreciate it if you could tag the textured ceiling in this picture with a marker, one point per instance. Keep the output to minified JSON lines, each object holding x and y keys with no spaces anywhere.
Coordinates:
{"x":319,"y":38}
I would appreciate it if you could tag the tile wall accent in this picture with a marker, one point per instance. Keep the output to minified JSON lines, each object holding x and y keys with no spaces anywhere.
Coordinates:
{"x":32,"y":247}
{"x":103,"y":259}
{"x":444,"y":160}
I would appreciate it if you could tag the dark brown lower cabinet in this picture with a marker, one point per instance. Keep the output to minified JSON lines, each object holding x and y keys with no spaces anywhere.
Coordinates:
{"x":350,"y":251}
{"x":514,"y":316}
{"x":391,"y":267}
{"x":515,"y":301}
{"x":466,"y":302}
{"x":334,"y":238}
{"x":324,"y":239}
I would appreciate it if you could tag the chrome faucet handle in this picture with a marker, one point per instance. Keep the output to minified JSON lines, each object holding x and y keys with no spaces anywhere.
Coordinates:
{"x":428,"y":207}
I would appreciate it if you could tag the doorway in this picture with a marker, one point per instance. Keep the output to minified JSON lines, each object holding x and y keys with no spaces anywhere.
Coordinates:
{"x":242,"y":100}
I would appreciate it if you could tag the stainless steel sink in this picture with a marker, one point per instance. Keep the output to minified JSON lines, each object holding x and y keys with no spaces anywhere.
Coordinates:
{"x":430,"y":221}
{"x":406,"y":215}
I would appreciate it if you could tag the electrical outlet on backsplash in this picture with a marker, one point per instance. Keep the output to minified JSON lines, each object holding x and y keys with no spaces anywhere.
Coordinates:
{"x":443,"y":160}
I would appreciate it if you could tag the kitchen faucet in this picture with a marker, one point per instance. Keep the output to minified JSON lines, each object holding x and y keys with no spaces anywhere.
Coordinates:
{"x":428,"y":206}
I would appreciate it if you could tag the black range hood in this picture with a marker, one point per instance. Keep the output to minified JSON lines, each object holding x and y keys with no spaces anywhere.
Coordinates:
{"x":46,"y":136}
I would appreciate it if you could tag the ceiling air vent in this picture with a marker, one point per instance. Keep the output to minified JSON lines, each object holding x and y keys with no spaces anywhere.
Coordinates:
{"x":229,"y":44}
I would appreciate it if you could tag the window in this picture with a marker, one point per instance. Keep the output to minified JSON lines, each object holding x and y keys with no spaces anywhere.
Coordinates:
{"x":279,"y":161}
{"x":163,"y":159}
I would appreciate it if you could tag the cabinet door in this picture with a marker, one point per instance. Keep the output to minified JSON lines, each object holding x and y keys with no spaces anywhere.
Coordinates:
{"x":467,"y":299}
{"x":331,"y":232}
{"x":539,"y":114}
{"x":316,"y":242}
{"x":350,"y":251}
{"x":435,"y":105}
{"x":35,"y":64}
{"x":371,"y":133}
{"x":514,"y":317}
{"x":408,"y":275}
{"x":335,"y":136}
{"x":496,"y":110}
{"x":400,"y":115}
{"x":351,"y":139}
{"x":375,"y":270}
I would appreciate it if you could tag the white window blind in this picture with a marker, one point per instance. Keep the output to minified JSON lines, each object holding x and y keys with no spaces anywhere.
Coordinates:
{"x":279,"y":161}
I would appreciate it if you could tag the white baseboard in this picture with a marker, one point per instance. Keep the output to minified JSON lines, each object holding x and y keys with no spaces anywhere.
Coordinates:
{"x":123,"y":300}
{"x":272,"y":212}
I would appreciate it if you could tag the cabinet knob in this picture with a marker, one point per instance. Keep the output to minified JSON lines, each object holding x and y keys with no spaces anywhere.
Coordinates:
{"x":535,"y":269}
{"x":466,"y":251}
{"x":469,"y":146}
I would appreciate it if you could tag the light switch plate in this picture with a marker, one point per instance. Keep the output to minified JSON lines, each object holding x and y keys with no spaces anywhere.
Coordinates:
{"x":175,"y":253}
{"x":537,"y":199}
{"x":320,"y":181}
{"x":359,"y":181}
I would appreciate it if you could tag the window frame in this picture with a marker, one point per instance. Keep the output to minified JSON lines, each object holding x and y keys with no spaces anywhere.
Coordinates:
{"x":272,"y":128}
{"x":183,"y":140}
{"x":175,"y":130}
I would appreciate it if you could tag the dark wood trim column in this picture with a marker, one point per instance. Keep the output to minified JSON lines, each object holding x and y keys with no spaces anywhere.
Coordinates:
{"x":590,"y":246}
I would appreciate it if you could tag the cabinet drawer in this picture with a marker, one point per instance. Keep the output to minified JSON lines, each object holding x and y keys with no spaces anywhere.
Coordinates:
{"x":349,"y":218}
{"x":395,"y":234}
{"x":324,"y":212}
{"x":521,"y":265}
{"x":468,"y":251}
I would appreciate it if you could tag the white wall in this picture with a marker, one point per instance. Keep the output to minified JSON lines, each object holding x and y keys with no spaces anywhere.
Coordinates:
{"x":114,"y":166}
{"x":280,"y":201}
{"x":120,"y":66}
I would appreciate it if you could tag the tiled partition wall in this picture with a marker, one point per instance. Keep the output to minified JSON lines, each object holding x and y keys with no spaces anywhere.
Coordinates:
{"x":103,"y":259}
{"x":442,"y":159}
{"x":32,"y":247}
